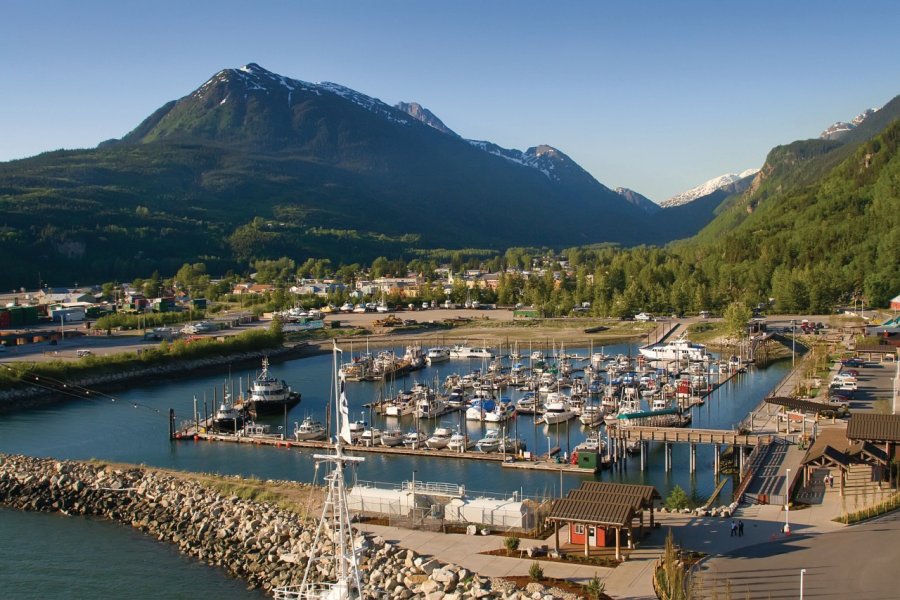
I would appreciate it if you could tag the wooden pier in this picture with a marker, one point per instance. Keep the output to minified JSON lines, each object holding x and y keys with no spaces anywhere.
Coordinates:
{"x":690,"y":436}
{"x":549,"y":467}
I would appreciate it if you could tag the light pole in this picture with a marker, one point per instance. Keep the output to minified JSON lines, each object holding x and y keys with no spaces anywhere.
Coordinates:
{"x":802,"y":572}
{"x":787,"y":501}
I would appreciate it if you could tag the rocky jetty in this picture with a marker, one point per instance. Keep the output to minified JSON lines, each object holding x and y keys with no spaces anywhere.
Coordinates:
{"x":264,"y":545}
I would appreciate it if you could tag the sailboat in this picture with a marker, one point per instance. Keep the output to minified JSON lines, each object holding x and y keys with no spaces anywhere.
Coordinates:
{"x":334,"y":530}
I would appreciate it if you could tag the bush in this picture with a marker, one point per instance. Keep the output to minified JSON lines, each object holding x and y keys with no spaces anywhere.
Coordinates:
{"x":511,"y":543}
{"x":535,"y":572}
{"x":595,"y":588}
{"x":678,"y":499}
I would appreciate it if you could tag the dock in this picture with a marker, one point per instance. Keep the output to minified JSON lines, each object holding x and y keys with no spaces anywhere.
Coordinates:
{"x":549,"y":467}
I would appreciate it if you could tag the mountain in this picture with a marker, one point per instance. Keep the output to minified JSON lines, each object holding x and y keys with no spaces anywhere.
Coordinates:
{"x":254,"y":165}
{"x":729,"y":182}
{"x":417,"y":111}
{"x":645,"y":204}
{"x":841,"y":129}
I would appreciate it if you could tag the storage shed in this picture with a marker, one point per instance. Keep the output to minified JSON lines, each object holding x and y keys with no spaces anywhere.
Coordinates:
{"x":502,"y":514}
{"x":372,"y":500}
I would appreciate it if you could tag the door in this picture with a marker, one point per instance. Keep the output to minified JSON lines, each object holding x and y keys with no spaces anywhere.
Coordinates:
{"x":592,"y":536}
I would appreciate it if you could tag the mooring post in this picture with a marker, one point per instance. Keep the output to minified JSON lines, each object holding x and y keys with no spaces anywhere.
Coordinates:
{"x":667,"y":448}
{"x":171,"y":423}
{"x":643,"y":454}
{"x":693,"y":457}
{"x":717,"y":454}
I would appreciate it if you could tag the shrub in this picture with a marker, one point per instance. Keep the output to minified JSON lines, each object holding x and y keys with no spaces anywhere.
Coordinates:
{"x":511,"y":543}
{"x":678,"y":499}
{"x":535,"y":572}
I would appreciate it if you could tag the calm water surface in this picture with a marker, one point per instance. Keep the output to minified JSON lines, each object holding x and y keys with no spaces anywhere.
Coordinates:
{"x":133,"y":428}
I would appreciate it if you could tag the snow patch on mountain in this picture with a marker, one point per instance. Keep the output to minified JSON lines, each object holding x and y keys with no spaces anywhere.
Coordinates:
{"x":255,"y":78}
{"x":707,"y":187}
{"x":842,"y":128}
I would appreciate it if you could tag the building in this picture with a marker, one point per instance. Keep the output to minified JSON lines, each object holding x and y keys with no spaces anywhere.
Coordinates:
{"x":895,"y":302}
{"x":600,"y":515}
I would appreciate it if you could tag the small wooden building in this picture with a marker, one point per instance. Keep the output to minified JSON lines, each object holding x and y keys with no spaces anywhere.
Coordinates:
{"x":598,"y":512}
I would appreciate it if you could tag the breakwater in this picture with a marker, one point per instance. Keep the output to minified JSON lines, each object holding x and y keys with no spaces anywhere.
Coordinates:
{"x":28,"y":395}
{"x":257,"y":542}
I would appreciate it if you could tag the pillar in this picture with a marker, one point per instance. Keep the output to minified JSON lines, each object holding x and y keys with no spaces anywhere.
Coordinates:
{"x":666,"y":448}
{"x":643,"y":455}
{"x":630,"y":538}
{"x":556,"y":536}
{"x":651,"y":514}
{"x":618,"y":543}
{"x":717,"y":455}
{"x":587,"y":539}
{"x":693,"y":460}
{"x":740,"y":451}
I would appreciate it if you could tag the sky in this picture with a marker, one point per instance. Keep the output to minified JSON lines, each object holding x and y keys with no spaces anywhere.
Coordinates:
{"x":654,"y":96}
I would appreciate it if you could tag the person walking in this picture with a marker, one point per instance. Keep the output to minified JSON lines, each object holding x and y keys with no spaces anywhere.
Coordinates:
{"x":830,"y":480}
{"x":733,"y":528}
{"x":740,"y":529}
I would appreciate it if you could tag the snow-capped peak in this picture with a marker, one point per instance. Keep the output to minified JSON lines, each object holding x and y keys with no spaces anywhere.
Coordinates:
{"x":842,"y":128}
{"x":706,"y":188}
{"x":256,"y":78}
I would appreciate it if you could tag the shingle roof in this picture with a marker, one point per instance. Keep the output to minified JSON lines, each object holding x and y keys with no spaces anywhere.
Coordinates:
{"x":874,"y":428}
{"x":604,"y":503}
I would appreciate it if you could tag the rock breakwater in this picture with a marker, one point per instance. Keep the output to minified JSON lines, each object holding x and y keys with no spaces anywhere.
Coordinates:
{"x":264,"y":545}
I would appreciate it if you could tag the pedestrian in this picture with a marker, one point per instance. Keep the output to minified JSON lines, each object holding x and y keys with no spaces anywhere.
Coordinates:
{"x":733,"y":528}
{"x":830,"y":480}
{"x":740,"y":529}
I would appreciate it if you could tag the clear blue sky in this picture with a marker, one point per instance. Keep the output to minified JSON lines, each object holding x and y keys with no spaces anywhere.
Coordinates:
{"x":655,"y":96}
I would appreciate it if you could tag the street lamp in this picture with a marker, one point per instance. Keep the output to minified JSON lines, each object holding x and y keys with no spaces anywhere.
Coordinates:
{"x":802,"y":572}
{"x":787,"y":501}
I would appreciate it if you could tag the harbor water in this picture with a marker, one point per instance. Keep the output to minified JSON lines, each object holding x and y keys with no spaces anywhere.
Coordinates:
{"x":132,"y":426}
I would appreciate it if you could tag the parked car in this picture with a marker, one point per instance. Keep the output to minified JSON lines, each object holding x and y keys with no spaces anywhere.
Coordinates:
{"x":853,"y":361}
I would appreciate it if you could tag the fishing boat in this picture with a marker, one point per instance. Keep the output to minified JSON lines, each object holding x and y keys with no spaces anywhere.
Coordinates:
{"x":431,"y":406}
{"x":478,"y":407}
{"x":414,"y":357}
{"x":527,"y":404}
{"x":593,"y":443}
{"x":440,"y":438}
{"x":337,"y":558}
{"x":457,"y":397}
{"x":270,"y":395}
{"x":228,"y":417}
{"x":392,"y":436}
{"x":309,"y":429}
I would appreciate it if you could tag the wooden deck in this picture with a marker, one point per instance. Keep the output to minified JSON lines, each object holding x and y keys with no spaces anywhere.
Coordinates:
{"x":690,"y":436}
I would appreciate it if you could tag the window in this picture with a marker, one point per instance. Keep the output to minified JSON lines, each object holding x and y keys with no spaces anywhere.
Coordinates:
{"x":579,"y":529}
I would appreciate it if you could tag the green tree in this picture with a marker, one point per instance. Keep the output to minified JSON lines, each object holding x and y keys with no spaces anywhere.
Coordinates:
{"x":737,"y":315}
{"x":678,"y":499}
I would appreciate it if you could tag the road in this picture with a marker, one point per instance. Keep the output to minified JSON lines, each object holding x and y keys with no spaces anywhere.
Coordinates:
{"x":842,"y":564}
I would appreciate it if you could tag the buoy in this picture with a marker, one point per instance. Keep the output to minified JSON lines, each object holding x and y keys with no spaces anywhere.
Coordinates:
{"x":196,"y":437}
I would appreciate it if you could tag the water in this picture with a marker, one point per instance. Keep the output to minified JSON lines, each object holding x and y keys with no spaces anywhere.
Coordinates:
{"x":134,"y":429}
{"x":43,"y":556}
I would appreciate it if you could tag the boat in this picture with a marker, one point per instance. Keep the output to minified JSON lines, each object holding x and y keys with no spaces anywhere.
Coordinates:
{"x":337,"y":558}
{"x":370,"y":437}
{"x":431,"y":406}
{"x":252,"y":428}
{"x":490,"y":442}
{"x":228,"y":418}
{"x":354,"y":431}
{"x":593,"y":443}
{"x":478,"y":407}
{"x":527,"y":404}
{"x":415,"y":439}
{"x":462,"y":351}
{"x":557,"y":411}
{"x":392,"y":436}
{"x":503,"y":411}
{"x":591,"y":415}
{"x":676,"y":350}
{"x":437,"y":355}
{"x":270,"y":395}
{"x":458,"y":442}
{"x":414,"y":357}
{"x":309,"y":429}
{"x":457,"y":397}
{"x":440,"y":438}
{"x":359,"y":368}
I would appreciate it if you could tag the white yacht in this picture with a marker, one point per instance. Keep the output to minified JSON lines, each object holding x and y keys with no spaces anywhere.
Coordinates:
{"x":680,"y":349}
{"x":393,"y":436}
{"x":457,"y":442}
{"x":437,"y":355}
{"x":490,"y":442}
{"x":440,"y":438}
{"x":270,"y":395}
{"x":415,"y":439}
{"x":591,"y":415}
{"x":459,"y":351}
{"x":370,"y":437}
{"x":557,"y":411}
